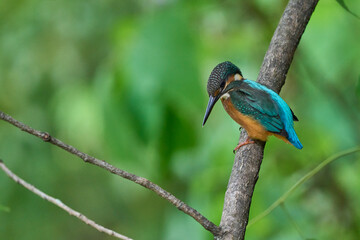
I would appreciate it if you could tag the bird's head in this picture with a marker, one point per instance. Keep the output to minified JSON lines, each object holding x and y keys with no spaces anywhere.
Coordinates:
{"x":220,"y":77}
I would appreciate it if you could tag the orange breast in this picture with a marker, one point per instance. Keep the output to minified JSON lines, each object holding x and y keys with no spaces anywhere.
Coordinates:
{"x":254,"y":129}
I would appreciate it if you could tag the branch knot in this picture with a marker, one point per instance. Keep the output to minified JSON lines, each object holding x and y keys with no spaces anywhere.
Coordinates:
{"x":46,"y":137}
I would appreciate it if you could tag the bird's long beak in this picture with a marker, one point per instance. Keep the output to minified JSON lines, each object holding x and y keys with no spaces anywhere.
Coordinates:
{"x":212,"y":101}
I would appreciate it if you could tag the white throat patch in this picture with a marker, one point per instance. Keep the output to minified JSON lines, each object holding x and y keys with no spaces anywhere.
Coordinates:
{"x":237,"y":77}
{"x":225,"y":96}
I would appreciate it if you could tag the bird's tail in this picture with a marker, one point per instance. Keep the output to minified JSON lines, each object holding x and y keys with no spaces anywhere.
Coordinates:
{"x":294,"y":140}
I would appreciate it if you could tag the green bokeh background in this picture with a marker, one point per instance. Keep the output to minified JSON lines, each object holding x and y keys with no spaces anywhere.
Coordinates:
{"x":125,"y":81}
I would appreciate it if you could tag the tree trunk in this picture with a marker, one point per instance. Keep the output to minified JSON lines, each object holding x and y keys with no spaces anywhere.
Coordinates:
{"x":248,"y":159}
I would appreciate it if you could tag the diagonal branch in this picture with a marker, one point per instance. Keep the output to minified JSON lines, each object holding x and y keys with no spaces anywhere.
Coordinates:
{"x":208,"y":225}
{"x":248,"y":159}
{"x":61,"y":205}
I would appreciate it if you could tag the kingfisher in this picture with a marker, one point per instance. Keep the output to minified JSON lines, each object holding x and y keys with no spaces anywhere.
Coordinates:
{"x":258,"y":109}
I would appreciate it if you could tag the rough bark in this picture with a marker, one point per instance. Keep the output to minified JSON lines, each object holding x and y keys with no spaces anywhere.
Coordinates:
{"x":248,"y":159}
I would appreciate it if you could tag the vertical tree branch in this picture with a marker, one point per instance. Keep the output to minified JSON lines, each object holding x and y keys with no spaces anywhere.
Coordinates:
{"x":248,"y":159}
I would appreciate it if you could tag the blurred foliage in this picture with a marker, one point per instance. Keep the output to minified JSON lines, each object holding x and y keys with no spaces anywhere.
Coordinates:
{"x":125,"y":81}
{"x":4,"y":208}
{"x":342,"y":4}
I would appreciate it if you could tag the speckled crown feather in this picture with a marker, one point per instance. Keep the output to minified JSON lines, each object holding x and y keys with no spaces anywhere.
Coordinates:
{"x":220,"y":74}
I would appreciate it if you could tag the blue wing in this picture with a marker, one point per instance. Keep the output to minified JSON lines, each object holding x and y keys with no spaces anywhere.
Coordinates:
{"x":266,"y":106}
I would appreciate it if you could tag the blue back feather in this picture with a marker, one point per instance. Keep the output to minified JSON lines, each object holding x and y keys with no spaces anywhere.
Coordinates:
{"x":284,"y":111}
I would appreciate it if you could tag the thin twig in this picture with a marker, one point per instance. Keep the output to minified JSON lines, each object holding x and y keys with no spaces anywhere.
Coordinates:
{"x":208,"y":225}
{"x":58,"y":203}
{"x":302,"y":180}
{"x":292,"y":221}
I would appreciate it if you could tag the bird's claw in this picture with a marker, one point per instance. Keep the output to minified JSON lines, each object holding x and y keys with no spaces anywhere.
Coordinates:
{"x":247,"y":141}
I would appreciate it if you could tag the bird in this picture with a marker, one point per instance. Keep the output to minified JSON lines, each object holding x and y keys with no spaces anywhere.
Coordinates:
{"x":256,"y":108}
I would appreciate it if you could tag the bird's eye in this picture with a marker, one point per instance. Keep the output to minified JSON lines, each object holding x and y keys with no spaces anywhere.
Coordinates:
{"x":222,"y":85}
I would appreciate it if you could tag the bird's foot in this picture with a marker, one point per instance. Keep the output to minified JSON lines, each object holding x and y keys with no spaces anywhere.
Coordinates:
{"x":247,"y":141}
{"x":240,"y":128}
